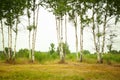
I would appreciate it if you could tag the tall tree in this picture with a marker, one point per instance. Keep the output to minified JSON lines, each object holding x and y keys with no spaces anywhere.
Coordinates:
{"x":1,"y":22}
{"x":73,"y":16}
{"x":96,"y":21}
{"x":35,"y":12}
{"x":29,"y":27}
{"x":11,"y":13}
{"x":59,"y":9}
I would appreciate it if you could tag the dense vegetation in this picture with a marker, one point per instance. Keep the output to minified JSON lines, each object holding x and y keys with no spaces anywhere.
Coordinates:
{"x":22,"y":56}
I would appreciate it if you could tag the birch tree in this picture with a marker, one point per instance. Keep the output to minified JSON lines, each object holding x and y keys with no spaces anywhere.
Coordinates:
{"x":74,"y":18}
{"x":2,"y":27}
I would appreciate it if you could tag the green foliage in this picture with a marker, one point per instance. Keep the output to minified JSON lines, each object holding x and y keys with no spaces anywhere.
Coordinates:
{"x":45,"y":56}
{"x":66,"y":49}
{"x":22,"y":53}
{"x":71,"y":56}
{"x":86,"y":52}
{"x":114,"y":52}
{"x":52,"y":48}
{"x":2,"y":56}
{"x":111,"y":58}
{"x":89,"y":58}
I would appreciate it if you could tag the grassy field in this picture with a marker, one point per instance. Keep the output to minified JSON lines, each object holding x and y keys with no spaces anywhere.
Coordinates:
{"x":56,"y":71}
{"x":47,"y":67}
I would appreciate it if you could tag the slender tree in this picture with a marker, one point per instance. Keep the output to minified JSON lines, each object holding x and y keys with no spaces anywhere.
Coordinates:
{"x":73,"y":17}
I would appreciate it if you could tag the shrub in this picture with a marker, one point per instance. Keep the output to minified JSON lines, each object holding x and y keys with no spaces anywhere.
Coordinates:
{"x":45,"y":56}
{"x":52,"y":48}
{"x":66,"y":49}
{"x":23,"y":53}
{"x":86,"y":52}
{"x":114,"y":52}
{"x":2,"y":56}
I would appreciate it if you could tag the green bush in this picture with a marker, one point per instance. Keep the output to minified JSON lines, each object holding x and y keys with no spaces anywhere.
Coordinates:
{"x":2,"y":56}
{"x":71,"y":56}
{"x":115,"y":52}
{"x":112,"y":57}
{"x":42,"y":57}
{"x":86,"y":52}
{"x":66,"y":49}
{"x":22,"y":53}
{"x":52,"y":48}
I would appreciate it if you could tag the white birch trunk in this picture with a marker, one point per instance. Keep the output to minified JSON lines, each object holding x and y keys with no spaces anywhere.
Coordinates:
{"x":11,"y":42}
{"x":30,"y":45}
{"x":15,"y":39}
{"x":61,"y":42}
{"x":76,"y":37}
{"x":4,"y":51}
{"x":81,"y":42}
{"x":8,"y":42}
{"x":65,"y":29}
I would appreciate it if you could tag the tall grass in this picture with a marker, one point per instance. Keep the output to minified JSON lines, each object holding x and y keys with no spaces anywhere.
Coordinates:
{"x":2,"y":56}
{"x":43,"y":57}
{"x":23,"y":56}
{"x":115,"y":58}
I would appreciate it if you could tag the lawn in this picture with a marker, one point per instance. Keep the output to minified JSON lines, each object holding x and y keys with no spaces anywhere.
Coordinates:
{"x":56,"y":71}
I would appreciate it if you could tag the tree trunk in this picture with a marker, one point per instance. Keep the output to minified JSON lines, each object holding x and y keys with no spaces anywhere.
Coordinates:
{"x":33,"y":47}
{"x":57,"y":29}
{"x":61,"y":42}
{"x":65,"y":29}
{"x":81,"y":42}
{"x":76,"y":37}
{"x":29,"y":28}
{"x":11,"y":43}
{"x":15,"y":46}
{"x":76,"y":42}
{"x":16,"y":32}
{"x":30,"y":44}
{"x":65,"y":34}
{"x":104,"y":33}
{"x":99,"y":57}
{"x":8,"y":43}
{"x":4,"y":51}
{"x":96,"y":40}
{"x":33,"y":35}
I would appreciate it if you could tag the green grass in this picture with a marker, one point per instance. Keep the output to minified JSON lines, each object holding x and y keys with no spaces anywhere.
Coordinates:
{"x":113,"y":58}
{"x":55,"y":71}
{"x":47,"y":67}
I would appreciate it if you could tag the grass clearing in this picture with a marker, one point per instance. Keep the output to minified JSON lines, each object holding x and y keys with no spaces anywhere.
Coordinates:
{"x":55,"y":71}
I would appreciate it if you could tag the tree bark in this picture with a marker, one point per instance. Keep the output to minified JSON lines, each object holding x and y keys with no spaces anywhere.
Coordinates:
{"x":104,"y":33}
{"x":76,"y":37}
{"x":81,"y":42}
{"x":33,"y":35}
{"x":62,"y":59}
{"x":29,"y":37}
{"x":30,"y":45}
{"x":65,"y":29}
{"x":16,"y":33}
{"x":11,"y":43}
{"x":8,"y":43}
{"x":4,"y":51}
{"x":57,"y":29}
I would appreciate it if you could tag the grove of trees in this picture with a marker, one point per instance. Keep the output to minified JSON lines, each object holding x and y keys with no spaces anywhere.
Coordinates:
{"x":94,"y":14}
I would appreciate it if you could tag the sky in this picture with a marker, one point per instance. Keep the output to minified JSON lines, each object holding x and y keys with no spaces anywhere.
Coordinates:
{"x":46,"y":34}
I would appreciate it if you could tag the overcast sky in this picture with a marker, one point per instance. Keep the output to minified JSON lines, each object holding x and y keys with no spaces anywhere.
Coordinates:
{"x":46,"y":34}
